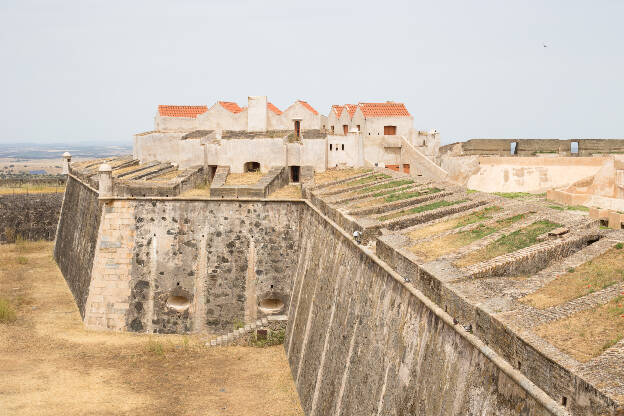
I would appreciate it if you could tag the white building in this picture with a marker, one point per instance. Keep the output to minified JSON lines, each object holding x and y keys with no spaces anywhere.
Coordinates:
{"x":353,"y":135}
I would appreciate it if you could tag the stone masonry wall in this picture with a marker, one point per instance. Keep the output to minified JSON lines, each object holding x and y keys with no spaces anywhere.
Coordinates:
{"x":361,"y":342}
{"x":76,"y":238}
{"x":32,"y":217}
{"x":201,"y":250}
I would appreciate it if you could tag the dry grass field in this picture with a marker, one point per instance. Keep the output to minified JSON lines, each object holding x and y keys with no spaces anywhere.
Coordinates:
{"x":287,"y":192}
{"x":247,"y":178}
{"x":50,"y":365}
{"x":30,"y":189}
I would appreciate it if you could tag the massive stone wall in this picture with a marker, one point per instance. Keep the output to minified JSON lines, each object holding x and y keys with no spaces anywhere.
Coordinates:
{"x":361,"y":342}
{"x":76,"y":238}
{"x":32,"y":217}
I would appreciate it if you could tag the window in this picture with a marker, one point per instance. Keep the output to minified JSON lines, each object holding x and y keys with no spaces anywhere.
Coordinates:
{"x":343,"y":147}
{"x":574,"y":148}
{"x":298,"y":128}
{"x":332,"y":129}
{"x":389,"y":130}
{"x":345,"y":129}
{"x":358,"y":127}
{"x":251,"y":167}
{"x":330,"y":146}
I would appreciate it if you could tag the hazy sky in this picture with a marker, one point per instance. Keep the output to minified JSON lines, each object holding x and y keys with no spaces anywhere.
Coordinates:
{"x":96,"y":70}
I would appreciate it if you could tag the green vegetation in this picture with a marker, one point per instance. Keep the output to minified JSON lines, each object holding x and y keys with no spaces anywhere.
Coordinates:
{"x":597,"y":274}
{"x":471,"y":191}
{"x":238,"y":324}
{"x":569,"y":207}
{"x":516,"y":195}
{"x":7,"y":313}
{"x":365,"y":180}
{"x":272,"y":338}
{"x":449,"y":243}
{"x":421,"y":208}
{"x":390,"y":191}
{"x":155,"y":348}
{"x":387,"y":185}
{"x":619,"y":246}
{"x":410,"y":194}
{"x":509,"y":243}
{"x":482,"y":215}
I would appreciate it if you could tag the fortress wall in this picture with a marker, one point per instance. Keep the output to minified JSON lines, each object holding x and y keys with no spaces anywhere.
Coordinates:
{"x":32,"y":216}
{"x":529,"y":147}
{"x":359,"y":341}
{"x":76,"y":238}
{"x":225,"y":257}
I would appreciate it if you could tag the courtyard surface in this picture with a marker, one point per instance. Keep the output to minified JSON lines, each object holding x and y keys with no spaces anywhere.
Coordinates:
{"x":51,"y":365}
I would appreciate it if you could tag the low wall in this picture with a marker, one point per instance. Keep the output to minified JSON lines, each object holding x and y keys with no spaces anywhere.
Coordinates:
{"x":31,"y":217}
{"x":526,"y":174}
{"x":531,"y":147}
{"x":361,"y":342}
{"x":274,"y":179}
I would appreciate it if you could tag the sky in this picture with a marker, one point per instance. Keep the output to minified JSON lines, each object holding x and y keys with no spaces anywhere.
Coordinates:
{"x":95,"y":71}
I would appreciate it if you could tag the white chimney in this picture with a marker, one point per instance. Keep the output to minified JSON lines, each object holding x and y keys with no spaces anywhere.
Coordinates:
{"x":257,"y":113}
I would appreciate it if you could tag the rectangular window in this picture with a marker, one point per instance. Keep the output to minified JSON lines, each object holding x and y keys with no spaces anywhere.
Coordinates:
{"x":389,"y":130}
{"x":332,"y":129}
{"x":358,"y":127}
{"x":345,"y":129}
{"x":343,"y":147}
{"x":330,"y":146}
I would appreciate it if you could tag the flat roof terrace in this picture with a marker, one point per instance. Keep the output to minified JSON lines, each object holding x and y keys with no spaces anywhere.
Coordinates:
{"x":541,"y":284}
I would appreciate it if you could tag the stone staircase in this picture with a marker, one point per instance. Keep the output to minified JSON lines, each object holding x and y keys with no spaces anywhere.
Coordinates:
{"x":230,"y":337}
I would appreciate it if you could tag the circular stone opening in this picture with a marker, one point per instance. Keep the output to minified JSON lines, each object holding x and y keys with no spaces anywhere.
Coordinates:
{"x":178,"y":303}
{"x":271,"y":306}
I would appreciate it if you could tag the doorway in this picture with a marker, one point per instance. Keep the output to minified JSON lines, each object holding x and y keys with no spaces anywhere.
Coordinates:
{"x":251,"y":167}
{"x":294,"y":173}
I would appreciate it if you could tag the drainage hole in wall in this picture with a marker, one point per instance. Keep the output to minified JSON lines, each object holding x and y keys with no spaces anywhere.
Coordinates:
{"x":178,"y":284}
{"x":564,"y":401}
{"x":271,"y":286}
{"x":178,"y":303}
{"x":271,"y":306}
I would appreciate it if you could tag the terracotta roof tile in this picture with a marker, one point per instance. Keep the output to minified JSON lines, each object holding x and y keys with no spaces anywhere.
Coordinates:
{"x":308,"y":106}
{"x":338,"y":109}
{"x":231,"y":106}
{"x":387,"y":109}
{"x":351,"y":108}
{"x":273,"y":108}
{"x":191,"y":111}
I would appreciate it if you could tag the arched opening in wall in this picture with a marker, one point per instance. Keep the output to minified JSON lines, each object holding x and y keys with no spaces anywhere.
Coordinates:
{"x":251,"y":167}
{"x":271,"y":306}
{"x":514,"y":148}
{"x":574,"y":148}
{"x":294,"y":173}
{"x":178,"y":303}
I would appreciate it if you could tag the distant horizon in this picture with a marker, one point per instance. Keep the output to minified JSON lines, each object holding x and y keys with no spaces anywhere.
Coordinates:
{"x":479,"y":69}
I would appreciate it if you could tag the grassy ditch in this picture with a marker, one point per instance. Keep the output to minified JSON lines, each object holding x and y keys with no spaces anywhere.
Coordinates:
{"x":431,"y":250}
{"x":597,"y":274}
{"x":509,"y":243}
{"x":365,"y":180}
{"x":421,"y":208}
{"x":569,"y":207}
{"x":587,"y":334}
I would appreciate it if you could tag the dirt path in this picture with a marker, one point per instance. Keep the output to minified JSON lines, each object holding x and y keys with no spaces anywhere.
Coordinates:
{"x":50,"y":365}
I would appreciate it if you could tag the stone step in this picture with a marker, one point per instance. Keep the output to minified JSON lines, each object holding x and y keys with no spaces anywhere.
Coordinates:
{"x":237,"y":333}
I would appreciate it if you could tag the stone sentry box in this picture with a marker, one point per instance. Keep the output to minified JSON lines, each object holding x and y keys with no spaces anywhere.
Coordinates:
{"x":163,"y":265}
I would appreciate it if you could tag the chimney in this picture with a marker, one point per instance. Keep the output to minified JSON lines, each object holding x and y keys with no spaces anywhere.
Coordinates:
{"x":257,"y":113}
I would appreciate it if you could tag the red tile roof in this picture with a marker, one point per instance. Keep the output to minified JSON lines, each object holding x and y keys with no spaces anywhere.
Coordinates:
{"x":276,"y":110}
{"x":191,"y":111}
{"x":387,"y":109}
{"x":351,"y":108}
{"x":308,"y":106}
{"x":230,"y":106}
{"x":338,"y":109}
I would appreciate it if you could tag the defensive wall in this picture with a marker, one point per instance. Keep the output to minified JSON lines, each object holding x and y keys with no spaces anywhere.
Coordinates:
{"x":29,"y":216}
{"x":361,"y":339}
{"x":532,"y":147}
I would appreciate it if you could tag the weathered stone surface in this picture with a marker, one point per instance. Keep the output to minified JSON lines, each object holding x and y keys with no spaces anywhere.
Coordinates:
{"x":32,"y":217}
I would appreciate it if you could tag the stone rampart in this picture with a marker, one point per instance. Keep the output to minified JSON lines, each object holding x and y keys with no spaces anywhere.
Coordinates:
{"x":362,"y":342}
{"x":76,"y":238}
{"x":532,"y":147}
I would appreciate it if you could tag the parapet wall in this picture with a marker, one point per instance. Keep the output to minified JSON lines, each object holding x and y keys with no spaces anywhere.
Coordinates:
{"x":361,"y":342}
{"x":531,"y":147}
